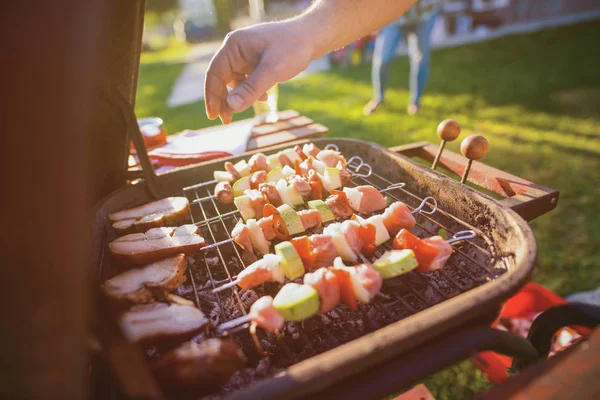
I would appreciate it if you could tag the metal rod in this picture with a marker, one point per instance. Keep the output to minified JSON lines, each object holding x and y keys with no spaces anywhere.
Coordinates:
{"x":424,"y":203}
{"x":466,"y":173}
{"x":462,"y":235}
{"x":438,"y":155}
{"x":226,"y":326}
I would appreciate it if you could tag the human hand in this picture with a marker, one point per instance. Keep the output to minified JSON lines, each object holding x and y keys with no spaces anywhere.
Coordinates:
{"x":251,"y":61}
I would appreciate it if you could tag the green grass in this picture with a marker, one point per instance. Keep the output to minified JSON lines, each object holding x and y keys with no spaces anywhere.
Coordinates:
{"x":535,"y":97}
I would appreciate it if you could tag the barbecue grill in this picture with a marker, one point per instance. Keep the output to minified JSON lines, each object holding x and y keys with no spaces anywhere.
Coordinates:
{"x":419,"y":325}
{"x":328,"y":351}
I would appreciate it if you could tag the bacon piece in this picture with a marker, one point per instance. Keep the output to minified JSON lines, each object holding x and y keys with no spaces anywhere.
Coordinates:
{"x":367,"y":278}
{"x":350,"y":230}
{"x":270,"y":192}
{"x":266,"y":225}
{"x":325,"y":283}
{"x":231,"y":169}
{"x":310,"y":218}
{"x":257,"y":178}
{"x":301,"y":185}
{"x":338,"y":203}
{"x":241,"y":235}
{"x":324,"y":251}
{"x":398,"y":216}
{"x":258,"y":162}
{"x":224,"y":193}
{"x":264,"y":314}
{"x":331,"y":158}
{"x":257,"y":201}
{"x":365,"y":199}
{"x":298,"y":151}
{"x":444,"y":248}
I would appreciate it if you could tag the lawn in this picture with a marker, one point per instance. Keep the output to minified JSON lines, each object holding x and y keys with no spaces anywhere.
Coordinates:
{"x":535,"y":97}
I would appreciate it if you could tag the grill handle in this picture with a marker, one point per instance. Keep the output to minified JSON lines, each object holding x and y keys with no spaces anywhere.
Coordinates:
{"x":409,"y":368}
{"x":526,"y":198}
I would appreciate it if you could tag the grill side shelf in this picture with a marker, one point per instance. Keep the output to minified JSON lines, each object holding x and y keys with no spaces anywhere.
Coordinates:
{"x":526,"y":198}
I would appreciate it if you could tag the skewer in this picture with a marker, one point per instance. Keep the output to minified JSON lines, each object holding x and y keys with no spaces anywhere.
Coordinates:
{"x":459,"y":236}
{"x":330,"y":146}
{"x":474,"y":147}
{"x":361,"y":165}
{"x":391,"y":187}
{"x":448,"y":130}
{"x":462,"y":235}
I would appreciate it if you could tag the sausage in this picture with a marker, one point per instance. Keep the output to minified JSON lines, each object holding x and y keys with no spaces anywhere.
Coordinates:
{"x":231,"y":169}
{"x":224,"y":193}
{"x":258,"y":162}
{"x":270,"y":192}
{"x":257,"y":178}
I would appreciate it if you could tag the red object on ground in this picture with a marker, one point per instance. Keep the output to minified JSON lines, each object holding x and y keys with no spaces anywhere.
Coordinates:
{"x":533,"y":298}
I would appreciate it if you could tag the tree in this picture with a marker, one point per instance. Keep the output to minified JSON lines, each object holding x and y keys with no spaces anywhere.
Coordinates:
{"x":161,"y":6}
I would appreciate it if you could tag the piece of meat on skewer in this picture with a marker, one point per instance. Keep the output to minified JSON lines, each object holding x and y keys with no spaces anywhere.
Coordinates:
{"x":264,"y":314}
{"x":156,"y":244}
{"x":311,"y":150}
{"x":144,"y":285}
{"x":398,"y":216}
{"x":235,"y":175}
{"x":258,"y":162}
{"x":444,"y":251}
{"x":302,"y":186}
{"x":270,"y":192}
{"x":197,"y":369}
{"x":338,"y":203}
{"x":325,"y":283}
{"x":224,"y":192}
{"x":257,"y":178}
{"x":365,"y":199}
{"x":171,"y":210}
{"x":331,"y":158}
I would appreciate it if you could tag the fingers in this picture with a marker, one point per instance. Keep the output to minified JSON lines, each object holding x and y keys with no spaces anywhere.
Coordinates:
{"x":218,"y":74}
{"x":226,"y":114}
{"x":237,"y":82}
{"x":251,"y":89}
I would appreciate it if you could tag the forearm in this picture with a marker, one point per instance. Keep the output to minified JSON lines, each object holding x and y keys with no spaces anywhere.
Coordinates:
{"x":331,"y":24}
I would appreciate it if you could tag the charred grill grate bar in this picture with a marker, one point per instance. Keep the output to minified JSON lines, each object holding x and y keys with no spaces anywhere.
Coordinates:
{"x":468,"y":267}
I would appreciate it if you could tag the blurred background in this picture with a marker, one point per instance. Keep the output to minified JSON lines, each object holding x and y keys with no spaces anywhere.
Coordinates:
{"x":523,"y":73}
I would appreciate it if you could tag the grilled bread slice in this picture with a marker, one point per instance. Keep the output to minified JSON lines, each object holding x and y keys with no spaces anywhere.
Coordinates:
{"x":169,"y":211}
{"x":144,"y":285}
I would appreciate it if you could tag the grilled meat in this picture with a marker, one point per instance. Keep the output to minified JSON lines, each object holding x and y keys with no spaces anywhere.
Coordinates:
{"x":171,"y":210}
{"x":310,"y":218}
{"x":325,"y":283}
{"x":241,"y":235}
{"x":269,"y":191}
{"x":162,"y":323}
{"x":258,"y":162}
{"x":398,"y":216}
{"x":264,"y":314}
{"x":224,"y":192}
{"x":196,"y":369}
{"x":155,"y":244}
{"x":365,"y":199}
{"x":235,"y":175}
{"x":331,"y":158}
{"x":257,"y":178}
{"x":146,"y":284}
{"x":338,"y":203}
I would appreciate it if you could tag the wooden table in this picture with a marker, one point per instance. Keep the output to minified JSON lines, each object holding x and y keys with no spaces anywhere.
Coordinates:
{"x":291,"y":126}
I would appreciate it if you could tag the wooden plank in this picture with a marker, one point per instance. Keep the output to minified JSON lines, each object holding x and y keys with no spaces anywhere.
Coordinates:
{"x":267,"y":129}
{"x":313,"y":130}
{"x":285,"y":115}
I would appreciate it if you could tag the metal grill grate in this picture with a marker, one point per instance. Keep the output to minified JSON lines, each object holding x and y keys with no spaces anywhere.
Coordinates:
{"x":469,"y":266}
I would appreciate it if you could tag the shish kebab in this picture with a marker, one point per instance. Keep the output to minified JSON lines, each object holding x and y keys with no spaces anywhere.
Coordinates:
{"x":283,"y":222}
{"x":327,"y":287}
{"x":309,"y":180}
{"x":347,"y":239}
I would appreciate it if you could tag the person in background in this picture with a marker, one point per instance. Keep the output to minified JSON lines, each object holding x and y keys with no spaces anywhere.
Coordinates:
{"x":416,"y":25}
{"x":253,"y":59}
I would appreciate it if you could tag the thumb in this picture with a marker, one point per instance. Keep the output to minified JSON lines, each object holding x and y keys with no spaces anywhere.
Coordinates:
{"x":251,"y":89}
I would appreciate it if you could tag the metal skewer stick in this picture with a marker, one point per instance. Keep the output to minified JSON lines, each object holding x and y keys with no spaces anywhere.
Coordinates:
{"x":474,"y":147}
{"x":458,"y":236}
{"x":448,"y":130}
